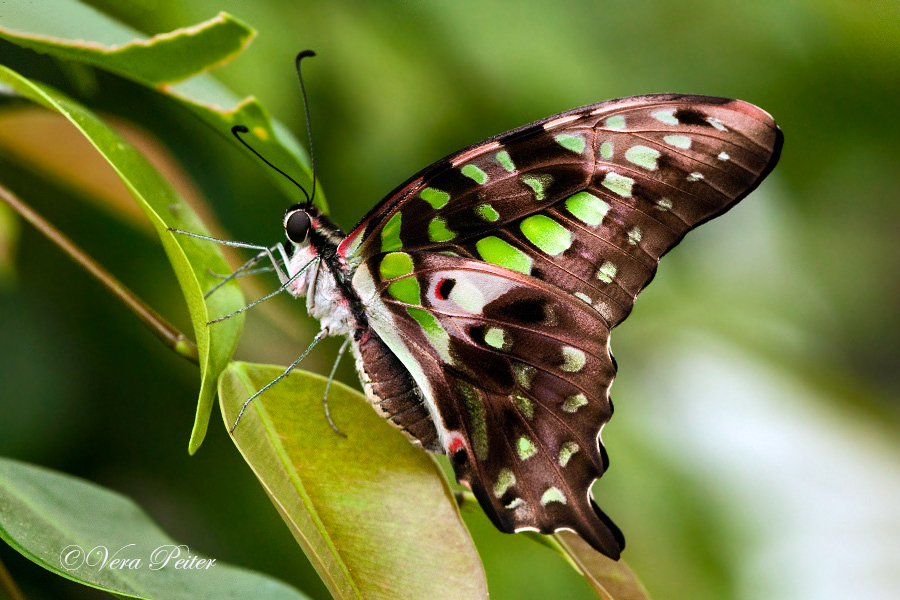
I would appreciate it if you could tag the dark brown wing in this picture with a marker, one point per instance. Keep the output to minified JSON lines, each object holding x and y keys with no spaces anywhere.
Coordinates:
{"x":516,"y":373}
{"x":509,"y":262}
{"x":588,"y":200}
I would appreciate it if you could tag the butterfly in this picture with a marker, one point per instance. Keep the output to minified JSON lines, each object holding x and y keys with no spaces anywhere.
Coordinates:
{"x":478,"y":297}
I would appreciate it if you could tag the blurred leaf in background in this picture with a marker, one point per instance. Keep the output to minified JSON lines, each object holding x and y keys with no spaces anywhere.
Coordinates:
{"x":753,"y":449}
{"x":56,"y":526}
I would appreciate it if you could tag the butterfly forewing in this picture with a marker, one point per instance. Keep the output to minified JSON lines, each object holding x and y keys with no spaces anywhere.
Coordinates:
{"x":504,"y":261}
{"x":588,"y":200}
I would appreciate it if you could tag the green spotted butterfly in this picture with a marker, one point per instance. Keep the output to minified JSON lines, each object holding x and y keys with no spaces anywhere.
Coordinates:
{"x":478,"y":297}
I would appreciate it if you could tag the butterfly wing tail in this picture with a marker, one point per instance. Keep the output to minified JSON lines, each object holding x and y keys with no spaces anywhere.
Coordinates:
{"x":605,"y":536}
{"x":585,"y":518}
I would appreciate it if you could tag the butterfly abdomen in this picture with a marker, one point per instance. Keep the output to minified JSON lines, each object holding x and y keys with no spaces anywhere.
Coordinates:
{"x":391,"y":390}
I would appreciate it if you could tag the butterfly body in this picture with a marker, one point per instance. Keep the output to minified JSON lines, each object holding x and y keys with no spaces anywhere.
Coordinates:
{"x":386,"y":382}
{"x":479,"y":295}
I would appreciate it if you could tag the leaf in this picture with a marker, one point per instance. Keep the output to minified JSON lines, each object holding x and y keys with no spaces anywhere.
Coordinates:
{"x":71,"y":30}
{"x":373,"y":513}
{"x":190,"y":257}
{"x":72,"y":162}
{"x":611,"y":579}
{"x":51,"y":518}
{"x":9,"y":241}
{"x":164,"y":58}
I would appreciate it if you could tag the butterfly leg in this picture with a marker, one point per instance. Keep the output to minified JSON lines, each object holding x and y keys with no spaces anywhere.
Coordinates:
{"x":337,"y":361}
{"x":282,"y":288}
{"x":286,"y":372}
{"x":238,"y":275}
{"x":241,"y":271}
{"x":264,"y":249}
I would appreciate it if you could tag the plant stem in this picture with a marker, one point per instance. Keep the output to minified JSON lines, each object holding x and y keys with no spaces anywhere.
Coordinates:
{"x":164,"y":330}
{"x":8,"y":587}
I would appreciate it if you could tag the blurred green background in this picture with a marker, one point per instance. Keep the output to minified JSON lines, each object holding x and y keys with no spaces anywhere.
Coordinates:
{"x":754,"y":450}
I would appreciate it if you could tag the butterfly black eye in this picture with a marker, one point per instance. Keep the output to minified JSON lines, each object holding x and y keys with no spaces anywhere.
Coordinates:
{"x":296,"y":225}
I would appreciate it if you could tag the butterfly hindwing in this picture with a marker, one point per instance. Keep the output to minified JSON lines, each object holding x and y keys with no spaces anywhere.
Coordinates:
{"x":519,"y":392}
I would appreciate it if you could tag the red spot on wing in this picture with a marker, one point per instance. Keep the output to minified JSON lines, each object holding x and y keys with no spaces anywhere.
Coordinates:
{"x":443,"y":288}
{"x":455,"y":443}
{"x":342,"y":247}
{"x":437,"y":290}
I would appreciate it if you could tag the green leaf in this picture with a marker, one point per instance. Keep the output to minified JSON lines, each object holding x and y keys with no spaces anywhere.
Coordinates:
{"x":374,"y":514}
{"x":73,"y":31}
{"x":51,"y":518}
{"x":612,"y":580}
{"x":9,"y":241}
{"x":58,"y":27}
{"x":190,"y":257}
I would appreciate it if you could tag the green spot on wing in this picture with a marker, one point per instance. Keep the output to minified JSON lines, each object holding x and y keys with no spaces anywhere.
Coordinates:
{"x":505,"y":480}
{"x":525,"y":406}
{"x":553,"y":495}
{"x":438,"y":231}
{"x":487,"y":212}
{"x":606,"y":272}
{"x":524,"y":374}
{"x":573,"y":359}
{"x":405,"y":290}
{"x":566,"y":452}
{"x":606,"y":150}
{"x":496,"y":338}
{"x":679,"y":141}
{"x":504,"y":159}
{"x":587,"y":208}
{"x":573,"y":403}
{"x":618,"y":184}
{"x":436,"y":198}
{"x":539,"y":184}
{"x":435,"y":333}
{"x":475,"y":174}
{"x":499,"y":252}
{"x":642,"y":156}
{"x":427,"y":320}
{"x":665,"y":116}
{"x":390,"y":234}
{"x":478,"y":431}
{"x":526,"y":448}
{"x":546,"y":234}
{"x":396,"y":264}
{"x":575,"y":143}
{"x":615,"y":122}
{"x":635,"y":235}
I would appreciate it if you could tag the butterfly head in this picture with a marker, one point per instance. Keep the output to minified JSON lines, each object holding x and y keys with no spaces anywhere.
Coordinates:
{"x":306,"y":227}
{"x":297,"y":224}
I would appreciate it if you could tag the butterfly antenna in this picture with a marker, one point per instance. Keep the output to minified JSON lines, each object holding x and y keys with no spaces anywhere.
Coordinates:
{"x":238,"y":129}
{"x":312,"y":154}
